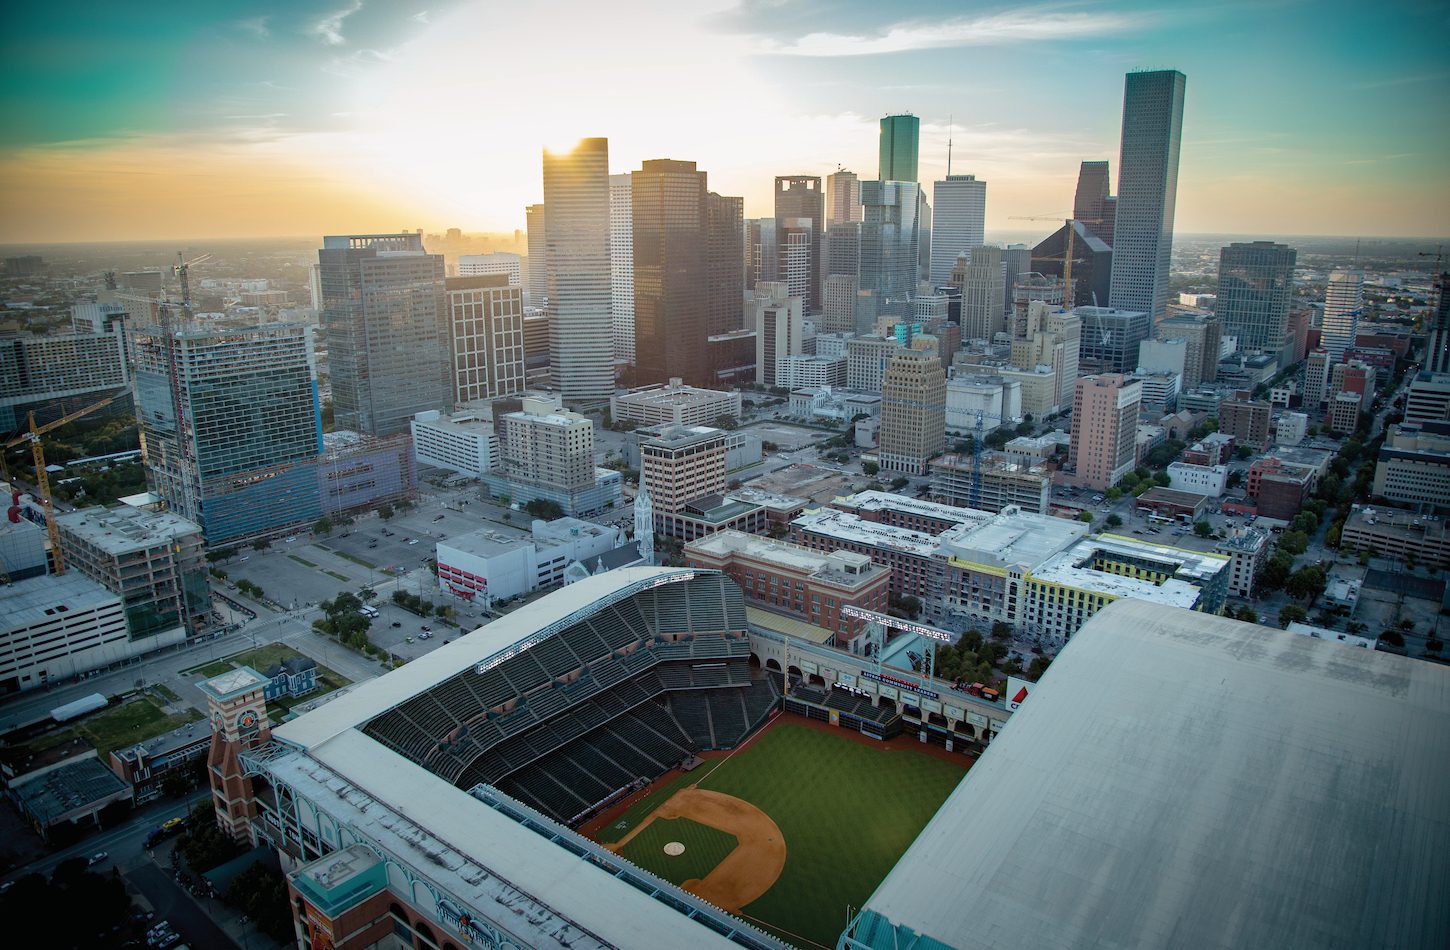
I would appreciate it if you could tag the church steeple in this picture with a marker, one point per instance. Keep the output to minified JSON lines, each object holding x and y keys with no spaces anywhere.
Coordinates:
{"x":644,"y":524}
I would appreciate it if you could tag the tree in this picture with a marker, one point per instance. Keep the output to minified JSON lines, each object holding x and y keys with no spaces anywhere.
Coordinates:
{"x":899,"y":483}
{"x":323,"y":525}
{"x":1248,"y":614}
{"x":261,"y":544}
{"x":1086,"y":517}
{"x":1203,"y":529}
{"x":1114,"y":521}
{"x":1001,"y":630}
{"x":869,"y":468}
{"x":385,"y":511}
{"x":545,"y":508}
{"x":1307,"y":583}
{"x":725,"y":421}
{"x":906,"y":606}
{"x":1295,"y":542}
{"x":1243,"y":452}
{"x":367,"y":594}
{"x":1113,"y":494}
{"x":1291,"y":613}
{"x":1276,"y":570}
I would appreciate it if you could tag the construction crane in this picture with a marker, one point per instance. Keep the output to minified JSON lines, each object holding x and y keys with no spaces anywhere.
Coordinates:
{"x":182,"y":269}
{"x":1069,"y":298}
{"x":42,"y":480}
{"x":978,"y":432}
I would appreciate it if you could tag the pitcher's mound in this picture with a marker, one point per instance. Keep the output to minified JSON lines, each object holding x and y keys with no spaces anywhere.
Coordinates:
{"x":674,"y":848}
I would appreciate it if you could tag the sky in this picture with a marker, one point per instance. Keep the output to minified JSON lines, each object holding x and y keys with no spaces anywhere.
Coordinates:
{"x":296,"y":117}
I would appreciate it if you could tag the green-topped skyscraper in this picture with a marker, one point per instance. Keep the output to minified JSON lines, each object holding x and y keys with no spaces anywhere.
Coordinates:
{"x":900,"y":141}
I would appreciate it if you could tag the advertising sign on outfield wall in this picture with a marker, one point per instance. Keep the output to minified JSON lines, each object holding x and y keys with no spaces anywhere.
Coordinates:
{"x":1017,"y":690}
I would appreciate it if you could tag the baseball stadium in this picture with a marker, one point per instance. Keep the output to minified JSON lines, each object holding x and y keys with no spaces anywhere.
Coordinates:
{"x":620,"y":764}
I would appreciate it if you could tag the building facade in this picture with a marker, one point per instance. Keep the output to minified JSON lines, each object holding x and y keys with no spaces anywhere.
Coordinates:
{"x":958,"y":223}
{"x":53,"y":628}
{"x":1343,"y":306}
{"x":674,"y":403}
{"x":913,"y":412}
{"x":580,"y":305}
{"x":670,"y":286}
{"x":621,"y":266}
{"x":843,"y":195}
{"x":1255,"y":289}
{"x":464,"y":442}
{"x":1104,"y":429}
{"x":900,"y":144}
{"x":486,"y":330}
{"x":800,"y":221}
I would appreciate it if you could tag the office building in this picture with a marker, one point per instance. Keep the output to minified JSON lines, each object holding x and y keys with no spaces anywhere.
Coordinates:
{"x":1051,"y":338}
{"x":230,"y":424}
{"x":1255,"y":288}
{"x":53,"y":628}
{"x":843,"y":197}
{"x":1246,"y":419}
{"x":670,"y":286}
{"x":1092,"y":205}
{"x":681,"y":464}
{"x":37,"y":372}
{"x":486,"y":334}
{"x":146,"y":765}
{"x":674,"y":403}
{"x":1163,"y":356}
{"x":1279,"y":488}
{"x":762,"y":262}
{"x":800,"y":220}
{"x":1428,"y":399}
{"x":1198,"y":479}
{"x":1247,"y":550}
{"x":385,"y":316}
{"x":1201,"y":335}
{"x":900,"y":143}
{"x":1343,"y":306}
{"x":153,"y":559}
{"x":538,"y":241}
{"x":866,"y":361}
{"x":1111,"y":337}
{"x":779,"y":327}
{"x":621,"y":266}
{"x":979,"y":275}
{"x":485,"y":566}
{"x":1147,"y":190}
{"x":1092,"y":262}
{"x":1104,"y":429}
{"x":1004,"y":484}
{"x":890,"y":247}
{"x":498,"y":262}
{"x":1437,"y":328}
{"x":724,"y":264}
{"x":913,"y":412}
{"x":576,"y":194}
{"x":996,"y":400}
{"x":465,"y":442}
{"x":1317,"y":366}
{"x":1291,"y":428}
{"x":1414,"y":466}
{"x":959,"y":212}
{"x":546,"y":453}
{"x":838,"y":314}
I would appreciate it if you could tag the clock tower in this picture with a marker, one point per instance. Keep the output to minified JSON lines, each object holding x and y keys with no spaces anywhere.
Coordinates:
{"x":237,"y":704}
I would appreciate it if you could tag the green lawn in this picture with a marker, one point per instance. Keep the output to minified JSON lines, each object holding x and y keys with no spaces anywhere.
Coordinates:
{"x":303,"y":561}
{"x":166,"y":693}
{"x":262,"y":657}
{"x":356,"y":560}
{"x":342,"y":577}
{"x":133,"y":722}
{"x":705,"y":847}
{"x":847,"y":811}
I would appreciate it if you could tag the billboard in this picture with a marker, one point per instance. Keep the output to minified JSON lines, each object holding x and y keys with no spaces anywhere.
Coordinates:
{"x":1017,"y":691}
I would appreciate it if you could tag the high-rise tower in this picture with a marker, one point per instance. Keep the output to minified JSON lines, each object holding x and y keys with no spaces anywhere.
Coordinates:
{"x":725,"y":263}
{"x":1437,"y":329}
{"x":1255,"y":287}
{"x":890,"y":244}
{"x":387,"y":335}
{"x":843,"y":198}
{"x":1093,"y":205}
{"x":913,"y":411}
{"x":900,"y":142}
{"x":670,"y":226}
{"x":800,"y":199}
{"x":576,"y":196}
{"x":958,"y":222}
{"x":1147,"y":190}
{"x":538,"y":286}
{"x":621,"y":266}
{"x":1343,"y":303}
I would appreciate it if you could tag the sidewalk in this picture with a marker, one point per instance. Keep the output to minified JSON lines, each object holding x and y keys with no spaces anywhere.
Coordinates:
{"x":232,"y":921}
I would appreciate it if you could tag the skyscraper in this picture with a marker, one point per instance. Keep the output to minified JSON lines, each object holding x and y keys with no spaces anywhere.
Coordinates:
{"x":890,"y":243}
{"x":1092,"y":204}
{"x":486,"y":322}
{"x":843,"y":197}
{"x":979,"y":276}
{"x":1201,"y":333}
{"x":1255,"y":287}
{"x":670,"y":225}
{"x":1104,"y":429}
{"x":1147,"y":190}
{"x":621,"y":266}
{"x":795,"y":238}
{"x":538,"y":286}
{"x":801,"y":197}
{"x":958,"y":222}
{"x":387,"y":335}
{"x":725,"y":263}
{"x":576,"y":195}
{"x":1437,"y":330}
{"x":913,"y":411}
{"x":761,"y":260}
{"x":900,"y":142}
{"x":1343,"y":303}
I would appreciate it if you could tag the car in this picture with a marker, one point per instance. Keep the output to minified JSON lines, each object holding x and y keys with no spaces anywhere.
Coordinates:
{"x":426,"y":629}
{"x":97,"y":858}
{"x":372,"y":544}
{"x":407,"y":639}
{"x":412,"y":540}
{"x":424,"y":636}
{"x":439,"y":518}
{"x":290,"y":540}
{"x":171,"y":824}
{"x":396,"y":624}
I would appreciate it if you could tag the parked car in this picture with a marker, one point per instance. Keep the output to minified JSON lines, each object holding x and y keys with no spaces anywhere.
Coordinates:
{"x":396,"y":624}
{"x":97,"y":858}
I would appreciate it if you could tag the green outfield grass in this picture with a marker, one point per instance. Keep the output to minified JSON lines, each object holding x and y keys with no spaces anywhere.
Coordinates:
{"x":705,"y":847}
{"x":847,"y":811}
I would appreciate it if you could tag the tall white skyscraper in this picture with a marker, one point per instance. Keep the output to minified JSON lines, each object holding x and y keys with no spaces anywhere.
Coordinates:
{"x":581,"y":344}
{"x":621,"y":266}
{"x":1343,"y":302}
{"x":958,"y":223}
{"x":499,"y":262}
{"x":538,"y":286}
{"x":1147,"y":190}
{"x":843,"y":198}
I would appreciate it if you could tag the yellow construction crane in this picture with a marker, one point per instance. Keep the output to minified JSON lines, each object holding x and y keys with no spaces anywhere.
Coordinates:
{"x":42,"y":480}
{"x":1069,"y":299}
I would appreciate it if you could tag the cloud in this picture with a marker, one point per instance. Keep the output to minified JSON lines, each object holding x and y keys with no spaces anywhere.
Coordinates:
{"x":256,"y":26}
{"x":1011,"y":27}
{"x":1402,"y":81}
{"x":329,"y":28}
{"x":421,"y":16}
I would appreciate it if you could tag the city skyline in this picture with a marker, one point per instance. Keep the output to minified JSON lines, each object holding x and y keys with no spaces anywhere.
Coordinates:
{"x":353,"y":115}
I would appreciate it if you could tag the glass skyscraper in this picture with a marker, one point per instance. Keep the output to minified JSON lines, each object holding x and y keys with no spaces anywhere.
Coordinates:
{"x":386,"y":319}
{"x":671,"y":218}
{"x":1147,"y":190}
{"x":1255,"y":288}
{"x":1343,"y":303}
{"x":890,"y":245}
{"x":900,"y":141}
{"x":576,"y":203}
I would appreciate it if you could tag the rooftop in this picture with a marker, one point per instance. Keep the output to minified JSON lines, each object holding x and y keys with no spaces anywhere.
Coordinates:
{"x":675,"y":393}
{"x":844,"y":526}
{"x":64,"y":788}
{"x":1012,"y":537}
{"x":229,"y":684}
{"x":179,"y":738}
{"x":1198,"y":796}
{"x":887,"y":501}
{"x":123,"y":529}
{"x":674,"y":437}
{"x":790,"y":626}
{"x":38,"y":599}
{"x":794,"y":557}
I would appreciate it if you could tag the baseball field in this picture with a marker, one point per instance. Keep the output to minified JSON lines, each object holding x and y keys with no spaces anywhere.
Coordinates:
{"x":791,"y":829}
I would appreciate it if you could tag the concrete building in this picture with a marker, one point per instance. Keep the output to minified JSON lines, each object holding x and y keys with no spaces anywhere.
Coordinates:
{"x":1437,"y":328}
{"x":1414,"y":466}
{"x":538,"y":273}
{"x":38,"y":370}
{"x":833,"y":405}
{"x":866,"y":360}
{"x":548,"y":454}
{"x":153,"y":559}
{"x":580,"y":305}
{"x":795,"y":580}
{"x":762,"y":261}
{"x":1111,"y":338}
{"x":1104,"y":429}
{"x":486,"y":566}
{"x":1248,"y":551}
{"x":53,"y":628}
{"x":1051,"y":338}
{"x":800,"y":221}
{"x":1400,"y":535}
{"x":913,"y":412}
{"x":497,"y":262}
{"x":1343,"y":307}
{"x":1343,"y":414}
{"x":1247,"y":420}
{"x":1316,"y":381}
{"x":674,"y":403}
{"x":1208,"y":480}
{"x":621,"y":267}
{"x":996,"y":399}
{"x":68,"y":794}
{"x":843,"y":199}
{"x":1428,"y":398}
{"x":779,"y":325}
{"x":959,"y":213}
{"x":386,"y":318}
{"x":815,"y":372}
{"x":1291,"y":428}
{"x":464,"y":442}
{"x":724,"y":267}
{"x":1255,"y":288}
{"x":486,"y":331}
{"x":1004,"y":484}
{"x":1147,"y":191}
{"x":23,"y":544}
{"x":980,"y":277}
{"x":682,"y":464}
{"x":1160,"y":394}
{"x":1279,"y":488}
{"x":838,"y":309}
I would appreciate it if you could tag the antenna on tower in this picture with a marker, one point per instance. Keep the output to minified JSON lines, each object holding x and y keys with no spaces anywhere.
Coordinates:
{"x":950,"y":120}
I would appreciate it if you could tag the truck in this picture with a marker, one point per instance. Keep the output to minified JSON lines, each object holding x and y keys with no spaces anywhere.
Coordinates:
{"x":80,"y":707}
{"x":369,"y":612}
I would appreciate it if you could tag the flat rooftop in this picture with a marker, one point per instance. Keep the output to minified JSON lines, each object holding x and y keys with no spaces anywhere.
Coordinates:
{"x":66,"y":787}
{"x":664,"y":395}
{"x":124,"y":530}
{"x":38,"y":599}
{"x":844,"y":526}
{"x":794,"y":557}
{"x":886,"y":501}
{"x":1012,"y":537}
{"x":1179,"y":779}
